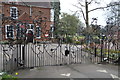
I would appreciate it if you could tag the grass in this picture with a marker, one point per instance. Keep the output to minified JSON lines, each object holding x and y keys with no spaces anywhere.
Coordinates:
{"x":8,"y":77}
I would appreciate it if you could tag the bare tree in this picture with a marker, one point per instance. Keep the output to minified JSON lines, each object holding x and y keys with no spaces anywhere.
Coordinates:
{"x":113,"y":22}
{"x":85,"y":4}
{"x":83,"y":8}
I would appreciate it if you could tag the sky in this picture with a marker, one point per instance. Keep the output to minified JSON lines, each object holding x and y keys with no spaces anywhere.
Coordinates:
{"x":67,"y":7}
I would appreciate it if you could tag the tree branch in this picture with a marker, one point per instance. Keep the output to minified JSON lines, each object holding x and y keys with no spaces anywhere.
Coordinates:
{"x":90,"y":2}
{"x":101,"y":8}
{"x":81,"y":10}
{"x":81,"y":4}
{"x":83,"y":15}
{"x":98,"y":8}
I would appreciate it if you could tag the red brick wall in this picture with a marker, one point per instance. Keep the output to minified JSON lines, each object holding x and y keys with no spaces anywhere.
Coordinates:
{"x":36,"y":11}
{"x":45,"y":12}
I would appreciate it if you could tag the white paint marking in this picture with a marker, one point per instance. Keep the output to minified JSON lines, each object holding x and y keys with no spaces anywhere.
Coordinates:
{"x":68,"y":74}
{"x":114,"y":76}
{"x":104,"y":71}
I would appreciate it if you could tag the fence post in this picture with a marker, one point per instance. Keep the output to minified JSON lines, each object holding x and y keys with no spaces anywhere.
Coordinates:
{"x":23,"y":55}
{"x":108,"y":52}
{"x":95,"y":51}
{"x":101,"y":50}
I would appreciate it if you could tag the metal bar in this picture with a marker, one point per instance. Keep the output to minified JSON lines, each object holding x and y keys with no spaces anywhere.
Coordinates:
{"x":60,"y":53}
{"x":23,"y":54}
{"x":108,"y":52}
{"x":20,"y":52}
{"x":69,"y":56}
{"x":35,"y":55}
{"x":81,"y":54}
{"x":101,"y":50}
{"x":43,"y":56}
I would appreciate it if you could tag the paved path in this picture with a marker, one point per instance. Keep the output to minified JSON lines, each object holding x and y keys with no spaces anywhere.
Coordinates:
{"x":71,"y":71}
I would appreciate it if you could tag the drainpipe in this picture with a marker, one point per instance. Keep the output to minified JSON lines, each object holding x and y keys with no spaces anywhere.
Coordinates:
{"x":30,"y":11}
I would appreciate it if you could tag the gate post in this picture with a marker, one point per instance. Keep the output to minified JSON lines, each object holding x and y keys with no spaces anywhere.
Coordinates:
{"x":1,"y":58}
{"x":4,"y":69}
{"x":101,"y":50}
{"x":23,"y":55}
{"x":95,"y":51}
{"x":103,"y":36}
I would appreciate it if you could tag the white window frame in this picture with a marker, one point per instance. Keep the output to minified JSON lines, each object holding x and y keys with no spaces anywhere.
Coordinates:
{"x":30,"y":28}
{"x":31,"y":25}
{"x":40,"y":32}
{"x":52,"y":15}
{"x":13,"y":13}
{"x":7,"y":31}
{"x":20,"y":31}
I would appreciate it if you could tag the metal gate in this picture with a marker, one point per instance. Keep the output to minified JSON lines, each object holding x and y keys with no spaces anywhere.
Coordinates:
{"x":11,"y":57}
{"x":43,"y":54}
{"x":51,"y":54}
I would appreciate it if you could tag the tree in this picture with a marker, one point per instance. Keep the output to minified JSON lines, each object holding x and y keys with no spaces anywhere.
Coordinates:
{"x":113,"y":21}
{"x":69,"y":24}
{"x":113,"y":13}
{"x":113,"y":18}
{"x":85,"y":4}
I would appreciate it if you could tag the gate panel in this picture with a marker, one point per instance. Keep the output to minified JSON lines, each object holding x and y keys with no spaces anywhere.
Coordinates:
{"x":37,"y":55}
{"x":11,"y":57}
{"x":45,"y":54}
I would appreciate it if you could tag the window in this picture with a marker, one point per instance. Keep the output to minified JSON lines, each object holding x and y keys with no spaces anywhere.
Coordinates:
{"x":38,"y":32}
{"x":9,"y":31}
{"x":52,"y":14}
{"x":51,"y":28}
{"x":20,"y":30}
{"x":14,"y":12}
{"x":31,"y":26}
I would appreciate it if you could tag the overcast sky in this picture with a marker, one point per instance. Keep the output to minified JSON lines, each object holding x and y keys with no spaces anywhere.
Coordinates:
{"x":67,"y":6}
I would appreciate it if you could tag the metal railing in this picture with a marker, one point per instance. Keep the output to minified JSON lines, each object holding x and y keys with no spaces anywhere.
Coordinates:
{"x":19,"y":56}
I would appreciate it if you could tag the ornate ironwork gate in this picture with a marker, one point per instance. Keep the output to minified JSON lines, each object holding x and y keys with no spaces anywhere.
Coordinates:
{"x":17,"y":56}
{"x":11,"y":57}
{"x":42,"y":54}
{"x":51,"y":54}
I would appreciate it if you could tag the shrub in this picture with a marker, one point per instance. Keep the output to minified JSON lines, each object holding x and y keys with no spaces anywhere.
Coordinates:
{"x":68,"y":39}
{"x":4,"y":42}
{"x":8,"y":77}
{"x":77,"y":42}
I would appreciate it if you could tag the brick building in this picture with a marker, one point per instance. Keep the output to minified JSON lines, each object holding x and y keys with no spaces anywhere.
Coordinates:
{"x":20,"y":18}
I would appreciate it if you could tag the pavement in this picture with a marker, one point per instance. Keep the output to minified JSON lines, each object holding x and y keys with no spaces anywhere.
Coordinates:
{"x":72,"y":72}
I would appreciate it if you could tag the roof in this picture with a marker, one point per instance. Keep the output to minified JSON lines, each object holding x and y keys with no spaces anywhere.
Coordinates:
{"x":37,"y":4}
